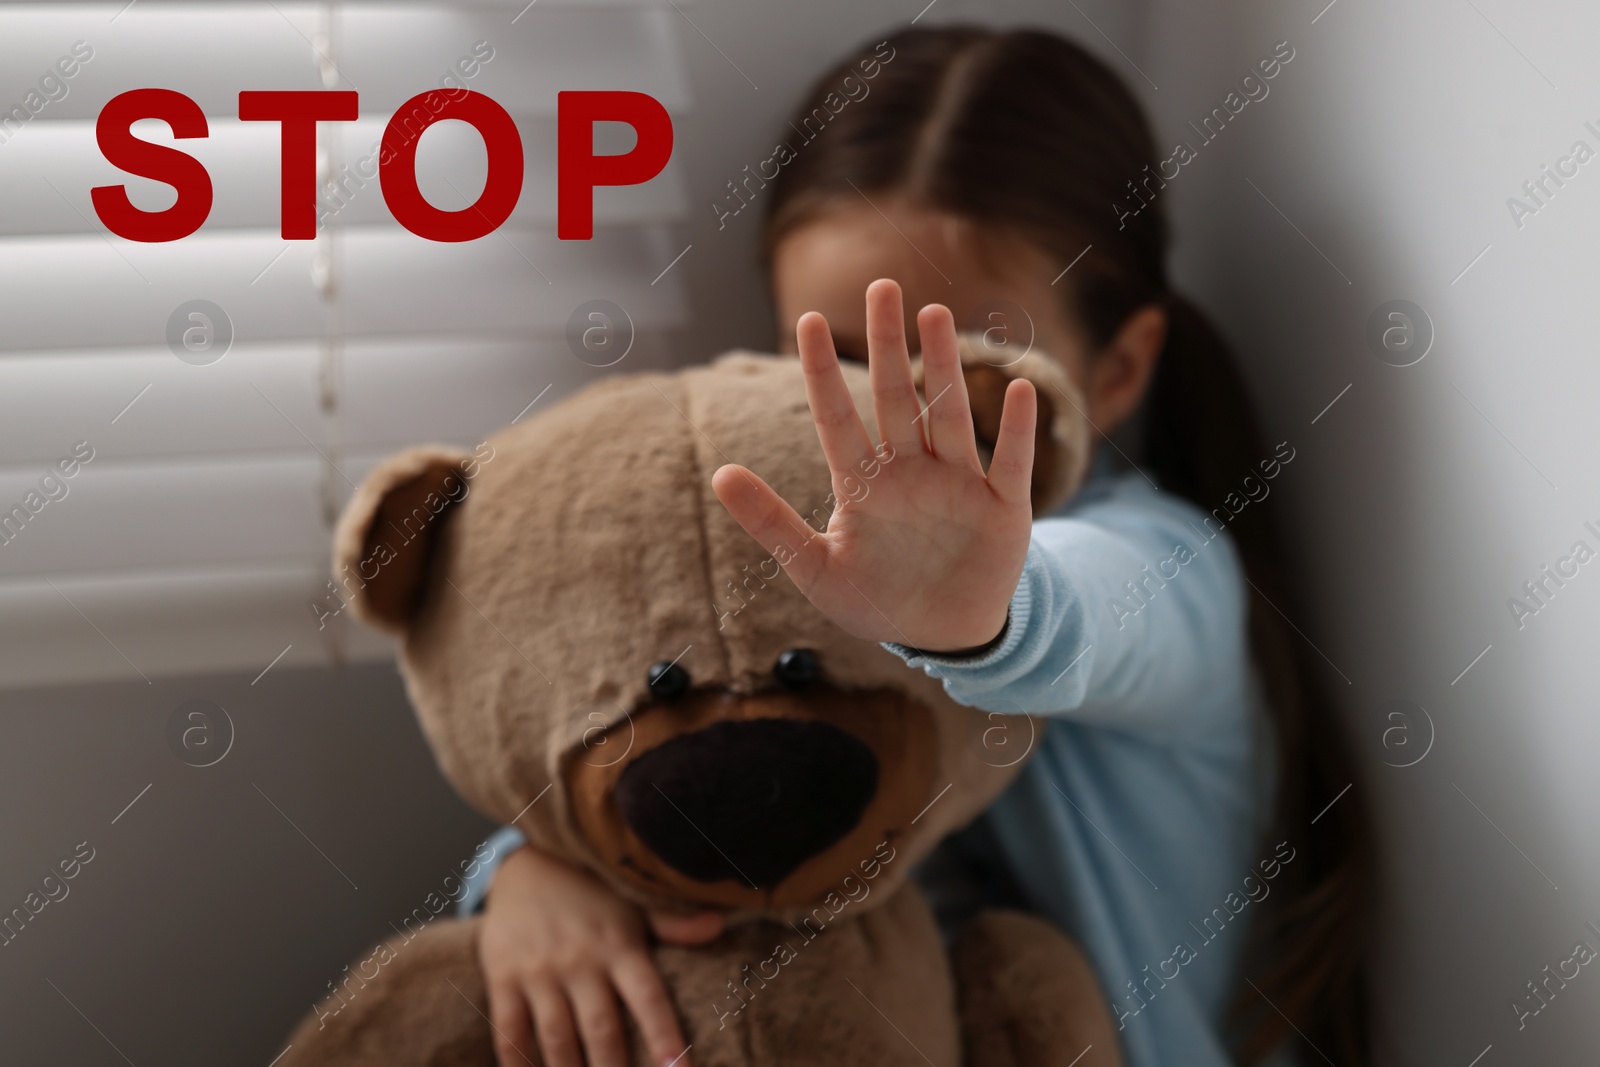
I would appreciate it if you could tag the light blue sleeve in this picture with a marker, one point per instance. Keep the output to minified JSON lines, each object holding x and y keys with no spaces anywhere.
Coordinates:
{"x":1129,"y":608}
{"x":502,"y":843}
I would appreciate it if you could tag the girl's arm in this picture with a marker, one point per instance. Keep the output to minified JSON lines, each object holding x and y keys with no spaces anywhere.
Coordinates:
{"x":558,"y":949}
{"x":1128,"y":614}
{"x":943,"y":562}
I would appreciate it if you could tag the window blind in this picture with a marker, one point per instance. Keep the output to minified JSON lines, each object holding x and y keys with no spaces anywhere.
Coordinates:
{"x":196,"y":536}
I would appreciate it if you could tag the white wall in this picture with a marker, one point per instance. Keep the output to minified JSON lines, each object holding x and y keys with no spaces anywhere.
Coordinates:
{"x":216,"y":906}
{"x":1428,"y":494}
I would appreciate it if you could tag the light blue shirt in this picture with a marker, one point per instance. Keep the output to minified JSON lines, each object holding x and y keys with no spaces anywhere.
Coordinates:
{"x":1141,"y":809}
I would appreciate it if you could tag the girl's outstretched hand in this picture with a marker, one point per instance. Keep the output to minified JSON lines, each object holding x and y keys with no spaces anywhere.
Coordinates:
{"x":929,"y":552}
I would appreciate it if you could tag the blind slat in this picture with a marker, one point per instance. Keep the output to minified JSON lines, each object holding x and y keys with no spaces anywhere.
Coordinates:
{"x":394,"y":394}
{"x":94,"y":291}
{"x":167,"y":623}
{"x":126,"y":516}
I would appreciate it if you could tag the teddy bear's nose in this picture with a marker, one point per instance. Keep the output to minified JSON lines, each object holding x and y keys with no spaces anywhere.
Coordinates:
{"x":747,"y":800}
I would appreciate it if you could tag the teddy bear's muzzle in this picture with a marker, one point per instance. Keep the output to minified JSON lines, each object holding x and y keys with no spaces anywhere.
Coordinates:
{"x":754,"y":801}
{"x":773,"y":792}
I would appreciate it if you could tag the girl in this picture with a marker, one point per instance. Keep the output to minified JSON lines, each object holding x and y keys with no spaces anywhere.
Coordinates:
{"x":1176,"y":788}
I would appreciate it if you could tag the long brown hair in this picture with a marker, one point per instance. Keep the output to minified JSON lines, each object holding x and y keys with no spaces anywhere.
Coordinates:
{"x":1025,"y":133}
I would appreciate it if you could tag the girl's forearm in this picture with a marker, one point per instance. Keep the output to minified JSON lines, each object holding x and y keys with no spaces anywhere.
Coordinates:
{"x":1121,"y":617}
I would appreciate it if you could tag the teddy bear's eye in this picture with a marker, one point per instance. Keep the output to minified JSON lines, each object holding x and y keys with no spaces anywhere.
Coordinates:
{"x":796,"y":666}
{"x":668,"y":681}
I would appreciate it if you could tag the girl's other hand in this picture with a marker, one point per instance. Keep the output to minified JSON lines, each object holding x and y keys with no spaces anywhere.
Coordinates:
{"x":558,"y":948}
{"x":929,"y":552}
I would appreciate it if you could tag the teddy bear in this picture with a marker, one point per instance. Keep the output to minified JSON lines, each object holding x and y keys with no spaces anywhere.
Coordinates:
{"x":598,"y":654}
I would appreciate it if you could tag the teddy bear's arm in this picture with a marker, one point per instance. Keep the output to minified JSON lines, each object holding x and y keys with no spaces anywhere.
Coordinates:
{"x":408,"y":1003}
{"x":1029,"y":998}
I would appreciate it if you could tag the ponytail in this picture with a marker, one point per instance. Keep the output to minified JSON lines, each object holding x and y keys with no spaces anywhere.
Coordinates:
{"x":1202,"y":441}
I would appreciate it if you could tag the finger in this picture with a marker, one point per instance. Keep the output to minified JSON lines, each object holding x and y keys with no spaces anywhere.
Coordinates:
{"x":642,"y":991}
{"x":513,"y":1029}
{"x":1011,"y":470}
{"x":768,"y":518}
{"x":687,"y":928}
{"x":839,"y":428}
{"x":949,"y":413}
{"x":552,"y":1018}
{"x":894,"y":393}
{"x":594,"y":1004}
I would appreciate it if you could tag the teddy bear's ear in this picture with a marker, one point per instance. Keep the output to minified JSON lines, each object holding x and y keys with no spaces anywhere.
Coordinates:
{"x":1061,"y":450}
{"x":387,"y":535}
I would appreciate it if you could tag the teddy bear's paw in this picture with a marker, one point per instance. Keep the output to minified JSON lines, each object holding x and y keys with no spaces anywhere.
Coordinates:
{"x":417,"y":1000}
{"x":1029,"y":997}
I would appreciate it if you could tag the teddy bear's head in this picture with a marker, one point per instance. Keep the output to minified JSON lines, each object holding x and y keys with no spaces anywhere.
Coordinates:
{"x":599,"y":654}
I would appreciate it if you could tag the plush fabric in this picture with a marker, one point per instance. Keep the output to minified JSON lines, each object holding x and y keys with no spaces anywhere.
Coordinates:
{"x":421,"y":1005}
{"x":539,"y":584}
{"x":1029,"y":997}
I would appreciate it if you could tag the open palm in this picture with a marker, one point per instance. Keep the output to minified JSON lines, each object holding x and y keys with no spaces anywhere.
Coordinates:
{"x":932,"y":553}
